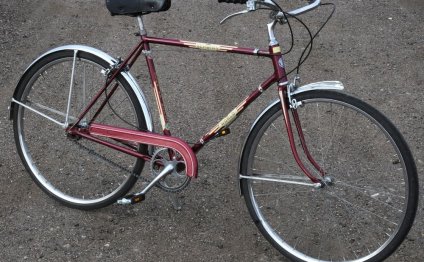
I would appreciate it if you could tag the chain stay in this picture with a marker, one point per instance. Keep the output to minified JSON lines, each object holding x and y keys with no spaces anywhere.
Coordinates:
{"x":114,"y":164}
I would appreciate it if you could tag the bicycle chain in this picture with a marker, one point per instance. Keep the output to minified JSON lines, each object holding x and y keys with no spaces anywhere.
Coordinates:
{"x":92,"y":152}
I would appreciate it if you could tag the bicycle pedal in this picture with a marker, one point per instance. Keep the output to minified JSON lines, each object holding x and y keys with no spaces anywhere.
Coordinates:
{"x":131,"y":199}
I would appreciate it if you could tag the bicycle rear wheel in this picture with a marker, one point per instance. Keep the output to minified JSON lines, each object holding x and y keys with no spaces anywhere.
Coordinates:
{"x":76,"y":172}
{"x":367,"y":210}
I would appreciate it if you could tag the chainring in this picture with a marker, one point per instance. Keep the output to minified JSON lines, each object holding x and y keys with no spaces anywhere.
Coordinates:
{"x":177,"y":180}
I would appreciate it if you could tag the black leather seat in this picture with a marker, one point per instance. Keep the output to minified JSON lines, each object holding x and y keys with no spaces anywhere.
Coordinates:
{"x":136,"y":7}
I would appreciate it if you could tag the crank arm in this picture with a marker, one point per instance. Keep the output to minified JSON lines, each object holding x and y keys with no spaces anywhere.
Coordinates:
{"x":132,"y":199}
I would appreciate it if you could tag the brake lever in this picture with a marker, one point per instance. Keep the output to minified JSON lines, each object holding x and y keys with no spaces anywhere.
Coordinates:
{"x":251,"y":6}
{"x":233,"y":15}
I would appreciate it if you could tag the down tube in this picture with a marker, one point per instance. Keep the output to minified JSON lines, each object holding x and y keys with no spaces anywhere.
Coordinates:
{"x":232,"y":116}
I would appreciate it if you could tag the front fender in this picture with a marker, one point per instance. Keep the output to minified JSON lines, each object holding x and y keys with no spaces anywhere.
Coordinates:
{"x":324,"y":85}
{"x":127,"y":76}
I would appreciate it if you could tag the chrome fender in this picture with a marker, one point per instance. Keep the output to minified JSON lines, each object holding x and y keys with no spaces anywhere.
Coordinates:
{"x":324,"y":85}
{"x":127,"y":76}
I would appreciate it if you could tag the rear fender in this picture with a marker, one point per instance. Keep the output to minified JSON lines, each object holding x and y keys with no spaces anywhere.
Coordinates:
{"x":127,"y":76}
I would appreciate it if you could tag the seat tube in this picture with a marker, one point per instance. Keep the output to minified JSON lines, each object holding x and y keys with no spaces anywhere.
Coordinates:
{"x":153,"y":77}
{"x":156,"y":88}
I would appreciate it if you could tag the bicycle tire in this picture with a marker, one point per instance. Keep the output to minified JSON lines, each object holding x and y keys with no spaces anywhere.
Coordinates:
{"x":74,"y":171}
{"x":370,"y":207}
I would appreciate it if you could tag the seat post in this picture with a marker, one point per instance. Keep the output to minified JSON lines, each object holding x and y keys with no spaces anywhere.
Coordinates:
{"x":141,"y":25}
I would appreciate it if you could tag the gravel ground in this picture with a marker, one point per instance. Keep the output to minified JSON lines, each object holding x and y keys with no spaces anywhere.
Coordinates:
{"x":376,"y":48}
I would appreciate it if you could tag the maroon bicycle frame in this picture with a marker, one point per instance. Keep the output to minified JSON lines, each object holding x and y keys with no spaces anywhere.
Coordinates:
{"x":143,"y":47}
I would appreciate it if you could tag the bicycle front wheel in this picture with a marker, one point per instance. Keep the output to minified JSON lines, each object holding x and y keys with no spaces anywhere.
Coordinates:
{"x":78,"y":173}
{"x":368,"y":208}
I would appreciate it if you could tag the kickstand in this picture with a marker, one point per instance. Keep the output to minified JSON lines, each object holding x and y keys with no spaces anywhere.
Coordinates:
{"x":175,"y":201}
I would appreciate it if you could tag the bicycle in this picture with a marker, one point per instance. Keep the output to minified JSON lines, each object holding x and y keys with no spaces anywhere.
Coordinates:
{"x":84,"y":131}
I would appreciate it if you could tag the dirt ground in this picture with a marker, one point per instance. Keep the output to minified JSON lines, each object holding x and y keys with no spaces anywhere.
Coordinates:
{"x":376,"y":48}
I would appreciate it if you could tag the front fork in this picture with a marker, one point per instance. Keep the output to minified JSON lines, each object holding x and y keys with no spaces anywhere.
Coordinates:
{"x":285,"y":105}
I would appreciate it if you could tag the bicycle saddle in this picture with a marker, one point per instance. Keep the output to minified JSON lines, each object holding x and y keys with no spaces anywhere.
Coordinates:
{"x":136,"y":7}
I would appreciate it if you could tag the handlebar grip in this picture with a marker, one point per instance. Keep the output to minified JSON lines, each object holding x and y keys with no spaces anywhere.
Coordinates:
{"x":233,"y":1}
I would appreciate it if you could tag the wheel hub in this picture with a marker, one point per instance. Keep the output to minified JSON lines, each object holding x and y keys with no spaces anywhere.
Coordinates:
{"x":328,"y":180}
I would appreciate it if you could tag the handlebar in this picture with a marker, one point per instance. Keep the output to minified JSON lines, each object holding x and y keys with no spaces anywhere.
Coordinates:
{"x":251,"y":5}
{"x":312,"y":5}
{"x":233,"y":1}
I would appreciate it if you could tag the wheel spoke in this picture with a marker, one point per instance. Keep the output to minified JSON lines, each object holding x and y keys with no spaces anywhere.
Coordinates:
{"x":75,"y":171}
{"x":360,"y":211}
